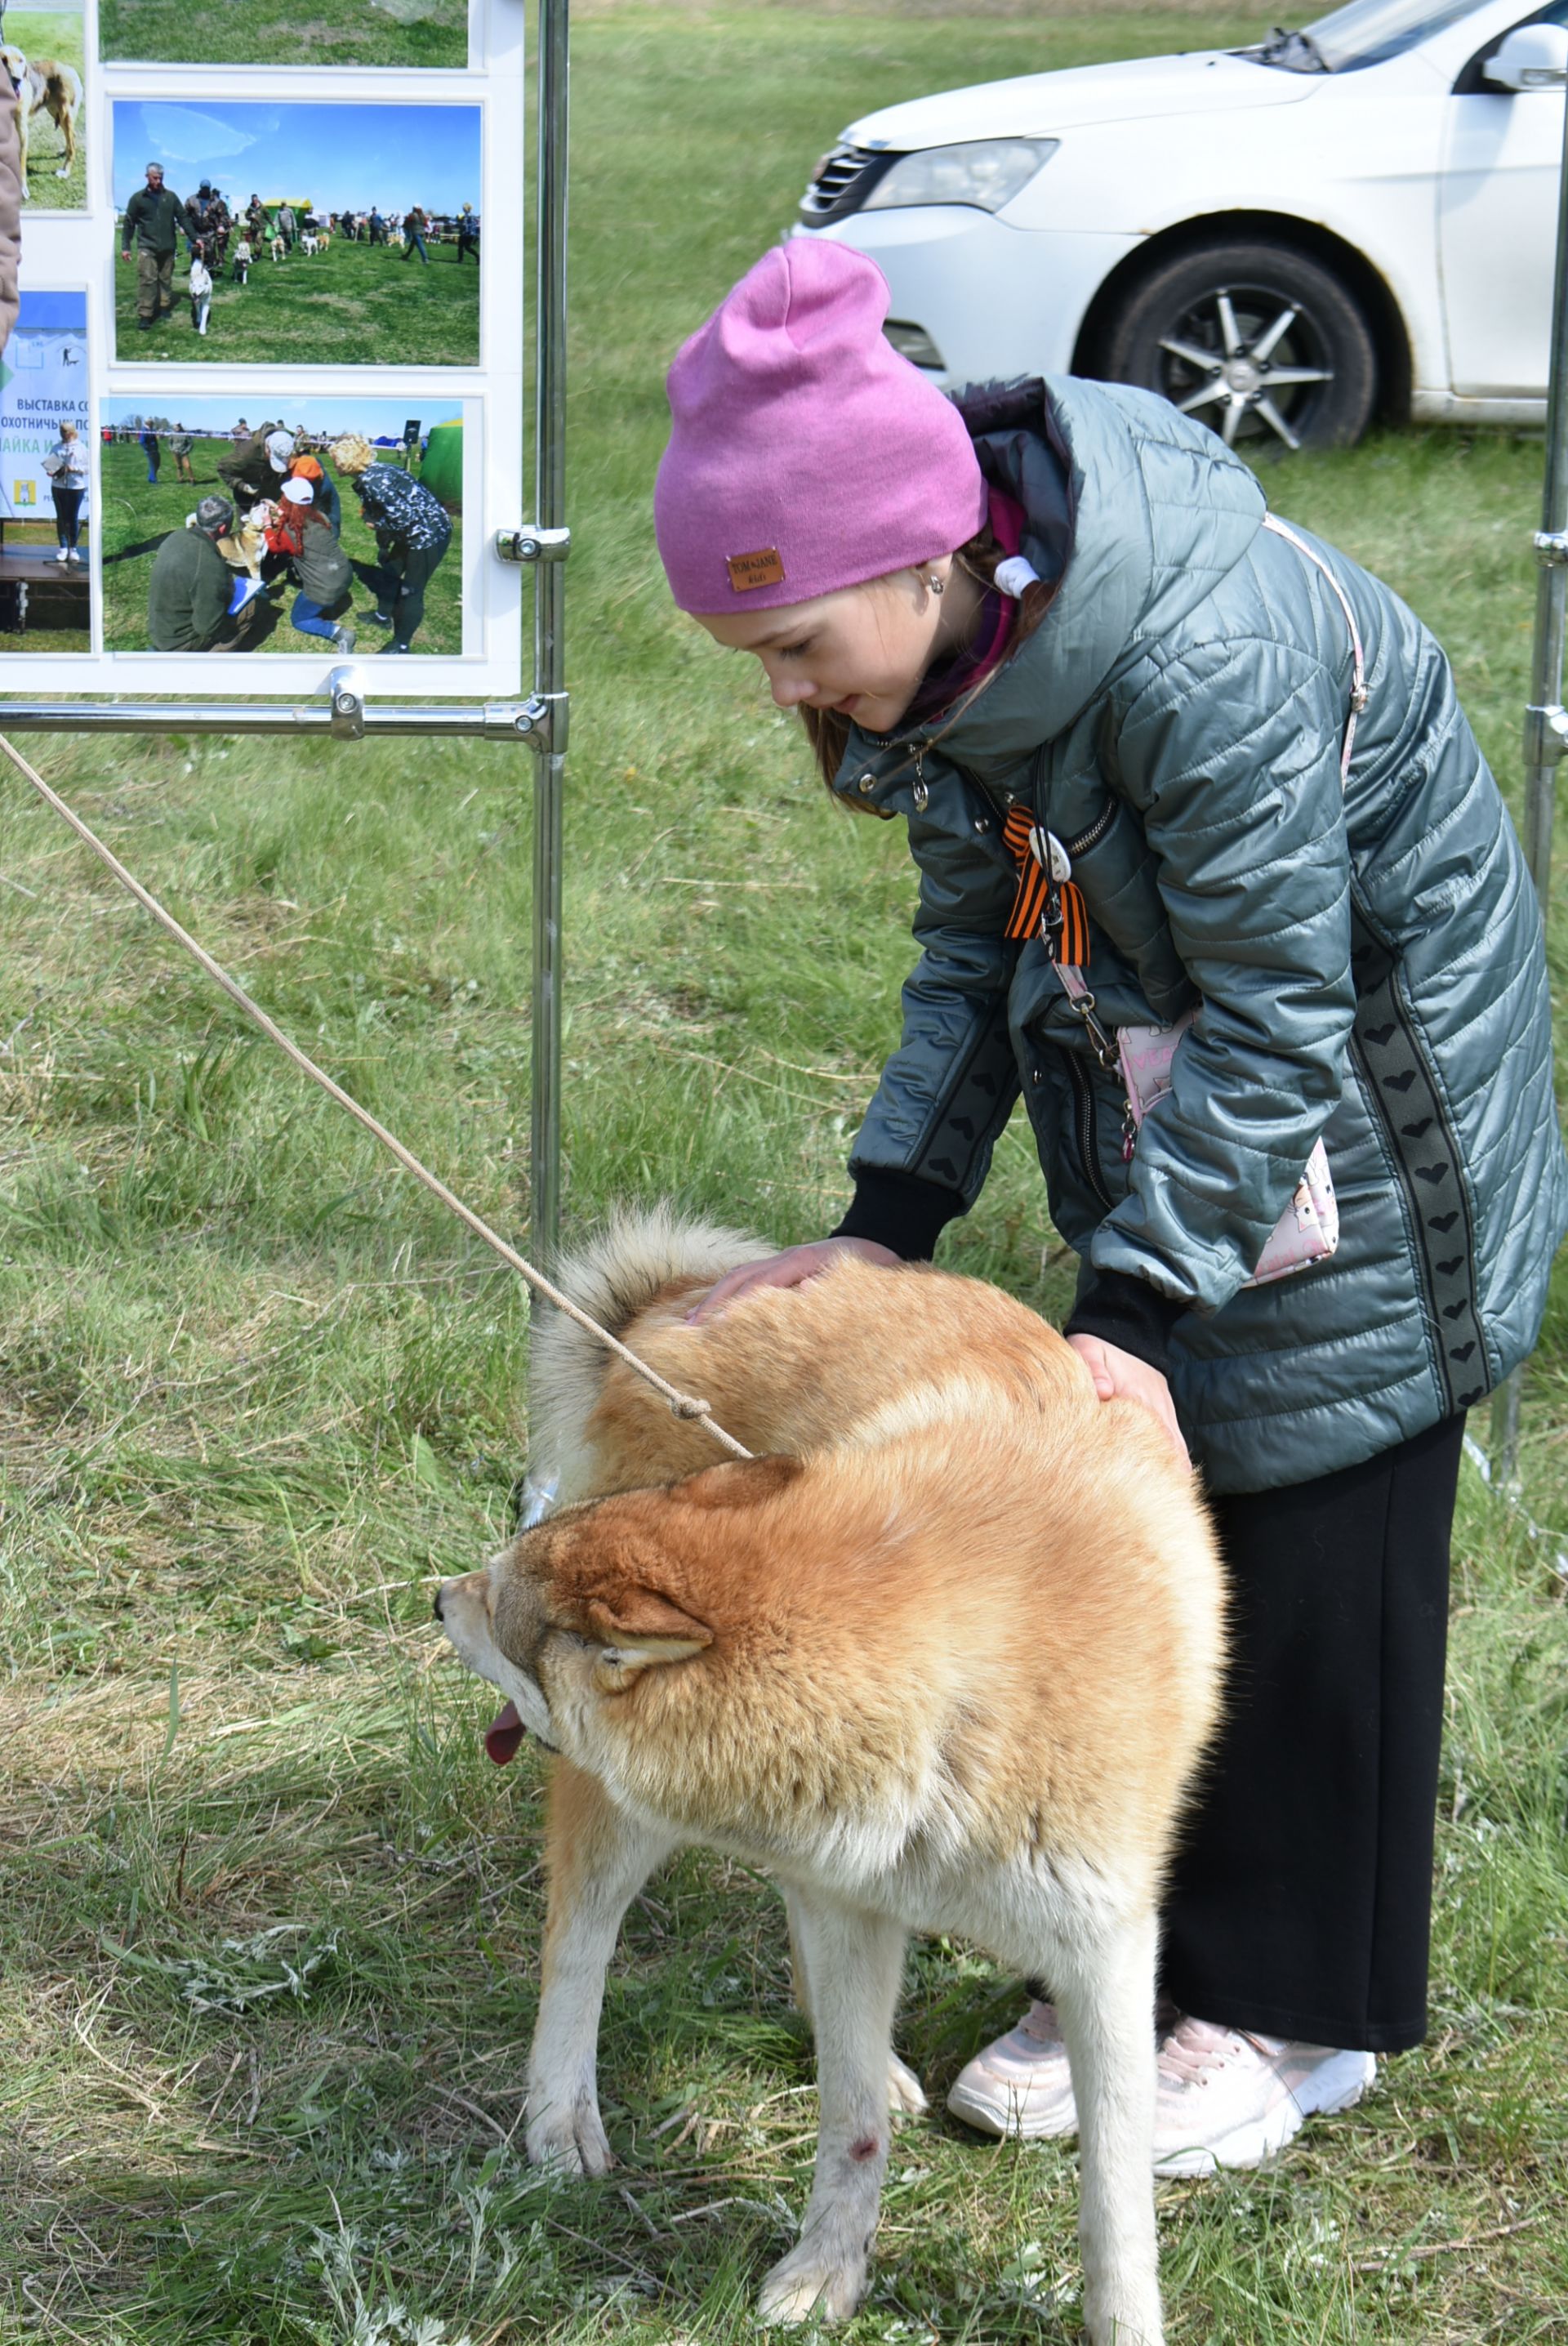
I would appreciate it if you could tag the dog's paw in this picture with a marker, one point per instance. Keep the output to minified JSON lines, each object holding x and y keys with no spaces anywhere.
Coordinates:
{"x":570,"y":2139}
{"x":811,"y":2285}
{"x":906,"y":2097}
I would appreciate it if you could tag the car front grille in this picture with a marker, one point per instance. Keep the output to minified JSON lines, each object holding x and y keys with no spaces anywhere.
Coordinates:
{"x":841,"y":182}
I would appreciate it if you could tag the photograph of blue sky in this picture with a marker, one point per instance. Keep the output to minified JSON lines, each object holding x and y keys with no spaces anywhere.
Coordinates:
{"x":340,"y":411}
{"x":338,"y":157}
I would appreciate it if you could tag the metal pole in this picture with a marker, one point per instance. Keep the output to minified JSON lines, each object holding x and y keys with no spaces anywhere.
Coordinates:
{"x":1545,"y":720}
{"x":549,"y":619}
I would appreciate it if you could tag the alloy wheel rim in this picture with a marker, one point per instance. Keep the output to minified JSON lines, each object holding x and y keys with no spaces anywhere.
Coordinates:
{"x":1248,"y":359}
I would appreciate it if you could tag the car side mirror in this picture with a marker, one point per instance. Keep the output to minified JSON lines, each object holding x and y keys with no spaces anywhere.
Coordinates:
{"x":1532,"y":56}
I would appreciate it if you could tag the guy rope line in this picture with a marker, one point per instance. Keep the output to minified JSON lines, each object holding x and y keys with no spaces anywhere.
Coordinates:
{"x":683,"y":1405}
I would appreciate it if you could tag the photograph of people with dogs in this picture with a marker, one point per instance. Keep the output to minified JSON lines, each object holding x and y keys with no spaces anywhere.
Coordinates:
{"x":43,"y":53}
{"x":297,"y":235}
{"x":425,"y":33}
{"x":311,"y":524}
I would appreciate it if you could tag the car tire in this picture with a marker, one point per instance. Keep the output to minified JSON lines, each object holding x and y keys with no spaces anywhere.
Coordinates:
{"x":1254,"y":337}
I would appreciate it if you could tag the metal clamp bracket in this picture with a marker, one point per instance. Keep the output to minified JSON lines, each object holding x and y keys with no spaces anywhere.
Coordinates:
{"x":1546,"y":735}
{"x":531,"y":544}
{"x":542,"y":720}
{"x":346,"y":694}
{"x":1551,"y":548}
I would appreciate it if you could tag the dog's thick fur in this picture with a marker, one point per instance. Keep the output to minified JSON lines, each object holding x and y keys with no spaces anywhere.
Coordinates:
{"x":943,"y":1660}
{"x":47,"y":86}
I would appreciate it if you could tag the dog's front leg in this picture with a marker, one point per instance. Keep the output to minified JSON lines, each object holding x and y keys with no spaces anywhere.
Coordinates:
{"x":598,"y":1860}
{"x":853,"y":1963}
{"x":906,"y":2095}
{"x":1105,"y":1997}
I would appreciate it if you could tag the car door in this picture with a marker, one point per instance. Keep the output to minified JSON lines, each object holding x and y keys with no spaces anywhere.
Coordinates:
{"x":1497,"y":227}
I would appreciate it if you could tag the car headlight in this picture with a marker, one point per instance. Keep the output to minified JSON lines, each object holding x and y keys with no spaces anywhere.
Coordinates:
{"x":987,"y":172}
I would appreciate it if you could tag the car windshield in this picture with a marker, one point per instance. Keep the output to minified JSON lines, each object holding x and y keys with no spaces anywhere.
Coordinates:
{"x":1367,"y":33}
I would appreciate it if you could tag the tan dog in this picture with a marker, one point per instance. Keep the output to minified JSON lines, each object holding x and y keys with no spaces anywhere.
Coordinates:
{"x":44,"y":85}
{"x":948,"y":1666}
{"x":277,"y":248}
{"x":243,"y":548}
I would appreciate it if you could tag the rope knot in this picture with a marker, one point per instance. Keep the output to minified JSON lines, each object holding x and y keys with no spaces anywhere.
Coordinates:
{"x":687,"y":1405}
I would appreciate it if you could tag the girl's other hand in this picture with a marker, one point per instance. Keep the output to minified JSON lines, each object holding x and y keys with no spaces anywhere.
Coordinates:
{"x":793,"y":1268}
{"x":1121,"y":1376}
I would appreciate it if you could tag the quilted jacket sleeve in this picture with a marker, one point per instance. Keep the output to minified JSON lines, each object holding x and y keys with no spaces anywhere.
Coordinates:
{"x":949,"y":1088}
{"x":1231,"y":756}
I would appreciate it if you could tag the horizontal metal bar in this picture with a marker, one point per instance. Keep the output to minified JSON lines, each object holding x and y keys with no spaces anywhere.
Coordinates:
{"x":490,"y":720}
{"x":1551,"y":548}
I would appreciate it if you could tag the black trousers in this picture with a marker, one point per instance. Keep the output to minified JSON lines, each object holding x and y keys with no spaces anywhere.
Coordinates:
{"x":1300,"y":1899}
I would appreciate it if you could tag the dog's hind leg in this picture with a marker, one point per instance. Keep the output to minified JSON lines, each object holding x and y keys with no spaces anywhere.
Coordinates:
{"x":1105,"y":1987}
{"x":853,"y":1963}
{"x":906,"y":2095}
{"x":599,"y":1861}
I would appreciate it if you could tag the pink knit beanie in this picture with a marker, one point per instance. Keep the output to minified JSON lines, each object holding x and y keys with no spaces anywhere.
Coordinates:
{"x":806,"y":453}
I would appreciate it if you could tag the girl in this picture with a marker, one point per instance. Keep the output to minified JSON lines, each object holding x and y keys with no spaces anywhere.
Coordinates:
{"x":1051,"y":626}
{"x":69,"y":473}
{"x":318,"y":564}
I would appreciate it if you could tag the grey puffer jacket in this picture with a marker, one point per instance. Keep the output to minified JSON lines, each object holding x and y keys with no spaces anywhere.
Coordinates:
{"x":1369,"y":968}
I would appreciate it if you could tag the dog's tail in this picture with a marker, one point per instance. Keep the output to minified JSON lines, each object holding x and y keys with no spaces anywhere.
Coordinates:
{"x":613,"y":1278}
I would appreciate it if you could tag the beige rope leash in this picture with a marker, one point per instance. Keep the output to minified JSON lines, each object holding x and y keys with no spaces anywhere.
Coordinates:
{"x":683,"y":1405}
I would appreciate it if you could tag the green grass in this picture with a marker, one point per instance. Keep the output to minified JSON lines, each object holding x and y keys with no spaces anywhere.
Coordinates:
{"x":256,"y":1393}
{"x":343,"y":33}
{"x":53,"y":33}
{"x":355,"y":304}
{"x":138,"y":515}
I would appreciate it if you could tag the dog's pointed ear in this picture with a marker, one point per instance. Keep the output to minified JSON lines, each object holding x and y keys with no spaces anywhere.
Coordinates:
{"x":642,"y":1630}
{"x":745,"y":1483}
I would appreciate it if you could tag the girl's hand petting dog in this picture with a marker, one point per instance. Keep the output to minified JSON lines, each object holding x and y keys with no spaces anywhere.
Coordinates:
{"x":791,"y":1268}
{"x":1121,"y":1376}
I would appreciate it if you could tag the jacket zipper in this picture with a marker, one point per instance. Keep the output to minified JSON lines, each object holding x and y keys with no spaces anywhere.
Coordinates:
{"x":1096,"y":833}
{"x":1088,"y":1129}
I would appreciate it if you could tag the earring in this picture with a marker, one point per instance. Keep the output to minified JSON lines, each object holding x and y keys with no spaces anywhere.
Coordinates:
{"x":936,"y":584}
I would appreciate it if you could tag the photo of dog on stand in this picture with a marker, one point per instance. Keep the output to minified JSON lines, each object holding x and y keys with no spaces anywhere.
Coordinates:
{"x":317,"y":524}
{"x":43,"y":55}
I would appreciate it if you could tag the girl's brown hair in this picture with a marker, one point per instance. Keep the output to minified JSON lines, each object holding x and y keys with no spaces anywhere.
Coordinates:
{"x":827,"y":731}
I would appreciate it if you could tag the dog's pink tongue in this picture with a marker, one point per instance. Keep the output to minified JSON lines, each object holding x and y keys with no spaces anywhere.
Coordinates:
{"x":504,"y":1733}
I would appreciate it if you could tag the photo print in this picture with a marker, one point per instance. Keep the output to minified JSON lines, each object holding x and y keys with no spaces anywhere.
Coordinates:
{"x":303,"y":235}
{"x":284,"y":523}
{"x":44,"y":51}
{"x":46,"y":478}
{"x":282,"y":34}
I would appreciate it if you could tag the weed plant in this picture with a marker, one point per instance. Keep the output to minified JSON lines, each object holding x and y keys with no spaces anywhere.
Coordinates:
{"x":53,"y":33}
{"x":270,"y":1932}
{"x":280,"y":34}
{"x":346,"y":306}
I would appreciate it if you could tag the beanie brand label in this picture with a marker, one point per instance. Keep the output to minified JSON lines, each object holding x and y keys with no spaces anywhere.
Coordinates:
{"x":762,"y":569}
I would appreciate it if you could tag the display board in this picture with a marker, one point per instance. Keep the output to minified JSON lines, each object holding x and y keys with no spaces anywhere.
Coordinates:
{"x":265,"y":389}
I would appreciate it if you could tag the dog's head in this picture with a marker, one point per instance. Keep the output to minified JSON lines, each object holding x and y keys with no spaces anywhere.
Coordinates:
{"x":15,"y":64}
{"x":576,"y":1614}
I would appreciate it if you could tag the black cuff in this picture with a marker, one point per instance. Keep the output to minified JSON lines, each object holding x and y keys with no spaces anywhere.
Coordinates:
{"x":900,"y":1212}
{"x":1127,"y":1312}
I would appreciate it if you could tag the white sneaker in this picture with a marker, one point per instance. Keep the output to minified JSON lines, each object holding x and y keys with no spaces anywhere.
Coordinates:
{"x":1021,"y":2085}
{"x":1229,"y":2098}
{"x":63,"y":556}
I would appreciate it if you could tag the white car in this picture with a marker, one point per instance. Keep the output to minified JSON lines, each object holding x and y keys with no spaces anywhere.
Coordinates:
{"x":1352,"y":219}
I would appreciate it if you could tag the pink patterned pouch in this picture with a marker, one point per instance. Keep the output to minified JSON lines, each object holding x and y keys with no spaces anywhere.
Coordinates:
{"x":1308,"y":1231}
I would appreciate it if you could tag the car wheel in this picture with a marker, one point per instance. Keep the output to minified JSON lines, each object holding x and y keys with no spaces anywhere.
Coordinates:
{"x":1257,"y":339}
